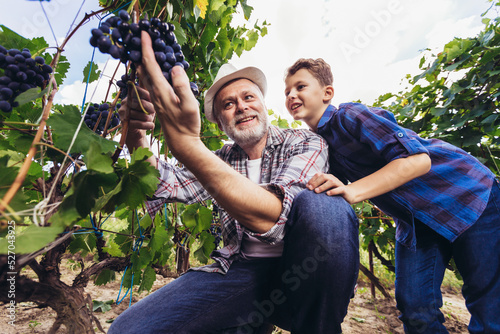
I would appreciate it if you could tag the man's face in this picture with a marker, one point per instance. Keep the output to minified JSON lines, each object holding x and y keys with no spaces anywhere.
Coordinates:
{"x":241,"y":112}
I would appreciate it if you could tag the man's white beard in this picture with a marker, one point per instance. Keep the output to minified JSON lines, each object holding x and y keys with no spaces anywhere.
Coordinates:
{"x":247,"y":136}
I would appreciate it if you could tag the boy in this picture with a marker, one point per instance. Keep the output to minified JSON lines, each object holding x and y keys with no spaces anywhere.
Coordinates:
{"x":444,"y":202}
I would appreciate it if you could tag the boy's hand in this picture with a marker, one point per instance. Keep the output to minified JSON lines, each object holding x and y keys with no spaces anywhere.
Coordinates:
{"x":322,"y":182}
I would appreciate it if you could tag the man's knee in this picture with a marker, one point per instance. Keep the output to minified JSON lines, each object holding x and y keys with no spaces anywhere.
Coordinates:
{"x":318,"y":209}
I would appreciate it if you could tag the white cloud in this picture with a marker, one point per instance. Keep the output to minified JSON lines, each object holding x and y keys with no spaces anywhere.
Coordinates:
{"x":370,"y":44}
{"x":74,"y":92}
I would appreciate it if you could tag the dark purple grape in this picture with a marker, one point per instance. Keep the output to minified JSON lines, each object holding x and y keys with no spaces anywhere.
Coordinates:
{"x":6,"y":93}
{"x":124,"y":28}
{"x":5,"y":80}
{"x":155,"y":22}
{"x":19,"y":58}
{"x":21,"y":76}
{"x":176,"y":47}
{"x":14,"y":85}
{"x":96,"y":33}
{"x":40,"y":60}
{"x":194,"y":88}
{"x":9,"y":59}
{"x":13,"y":52}
{"x":3,"y":50}
{"x":30,"y":62}
{"x":46,"y":68}
{"x":124,"y":15}
{"x":134,"y":28}
{"x":170,"y":38}
{"x":170,"y":57}
{"x":179,"y":56}
{"x":135,"y":43}
{"x":144,"y":24}
{"x":185,"y":64}
{"x":115,"y":52}
{"x":159,"y":45}
{"x":105,"y":28}
{"x":93,"y":41}
{"x":5,"y":106}
{"x":116,"y":35}
{"x":160,"y":57}
{"x":135,"y":56}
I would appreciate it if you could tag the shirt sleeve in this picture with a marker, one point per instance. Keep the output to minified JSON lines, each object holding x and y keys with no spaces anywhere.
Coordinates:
{"x":378,"y":128}
{"x":177,"y":184}
{"x":305,"y":155}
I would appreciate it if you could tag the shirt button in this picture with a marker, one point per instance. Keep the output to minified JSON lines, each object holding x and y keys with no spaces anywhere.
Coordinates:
{"x":400,"y":134}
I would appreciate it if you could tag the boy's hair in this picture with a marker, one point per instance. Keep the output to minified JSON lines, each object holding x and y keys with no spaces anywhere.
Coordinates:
{"x":317,"y":67}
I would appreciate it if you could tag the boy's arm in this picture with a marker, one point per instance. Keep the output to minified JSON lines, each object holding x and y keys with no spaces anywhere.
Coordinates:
{"x":394,"y":174}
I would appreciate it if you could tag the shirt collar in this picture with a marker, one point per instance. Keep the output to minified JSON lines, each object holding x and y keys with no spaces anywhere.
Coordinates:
{"x":326,"y":115}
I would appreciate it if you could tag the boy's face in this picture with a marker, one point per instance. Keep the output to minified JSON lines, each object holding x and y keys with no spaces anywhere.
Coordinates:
{"x":306,"y":98}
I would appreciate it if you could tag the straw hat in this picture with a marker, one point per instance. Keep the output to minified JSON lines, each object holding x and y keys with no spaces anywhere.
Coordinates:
{"x":227,"y":73}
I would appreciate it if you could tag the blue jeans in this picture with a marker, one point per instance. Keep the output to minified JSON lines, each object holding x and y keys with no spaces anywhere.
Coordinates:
{"x":477,"y":255}
{"x":307,"y":290}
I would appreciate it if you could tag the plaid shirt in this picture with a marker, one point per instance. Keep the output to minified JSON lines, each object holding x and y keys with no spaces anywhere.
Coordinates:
{"x":289,"y":160}
{"x":449,"y":198}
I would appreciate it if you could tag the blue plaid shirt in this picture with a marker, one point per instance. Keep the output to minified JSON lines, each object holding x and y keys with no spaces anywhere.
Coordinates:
{"x":449,"y":198}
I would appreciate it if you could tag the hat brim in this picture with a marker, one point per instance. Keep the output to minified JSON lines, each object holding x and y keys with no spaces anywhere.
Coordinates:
{"x":251,"y":73}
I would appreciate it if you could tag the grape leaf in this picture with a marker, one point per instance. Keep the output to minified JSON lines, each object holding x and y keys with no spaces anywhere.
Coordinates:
{"x":91,"y":72}
{"x":12,"y":40}
{"x":30,"y":95}
{"x":148,"y":278}
{"x":32,"y":239}
{"x":65,"y":126}
{"x":105,"y":277}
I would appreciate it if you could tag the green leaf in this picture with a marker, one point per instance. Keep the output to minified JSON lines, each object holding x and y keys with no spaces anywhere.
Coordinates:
{"x":91,"y":72}
{"x":96,"y":160}
{"x":148,"y":278}
{"x":206,"y":240}
{"x":104,"y":277}
{"x":179,"y":33}
{"x":139,"y":181}
{"x":65,"y":126}
{"x":31,"y":239}
{"x":12,"y":40}
{"x":113,"y":249}
{"x":103,"y":306}
{"x":30,"y":95}
{"x":247,"y":10}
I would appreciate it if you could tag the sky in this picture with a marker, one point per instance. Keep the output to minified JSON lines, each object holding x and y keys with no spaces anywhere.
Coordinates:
{"x":370,"y":44}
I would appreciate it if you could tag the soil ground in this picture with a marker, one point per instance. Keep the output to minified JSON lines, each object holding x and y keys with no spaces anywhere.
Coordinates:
{"x":365,"y":315}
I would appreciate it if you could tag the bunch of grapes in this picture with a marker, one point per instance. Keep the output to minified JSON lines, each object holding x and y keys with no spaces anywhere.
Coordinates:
{"x":216,"y":231}
{"x":98,"y":114}
{"x":122,"y":40}
{"x":21,"y":72}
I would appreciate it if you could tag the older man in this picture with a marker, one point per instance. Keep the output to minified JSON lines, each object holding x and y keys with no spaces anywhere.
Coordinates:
{"x":301,"y":281}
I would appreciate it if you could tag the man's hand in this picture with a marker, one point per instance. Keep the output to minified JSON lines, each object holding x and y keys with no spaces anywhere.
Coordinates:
{"x":176,"y":107}
{"x":322,"y":182}
{"x":139,"y":121}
